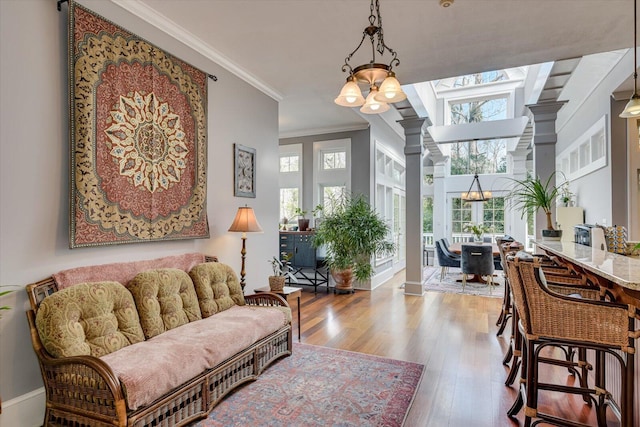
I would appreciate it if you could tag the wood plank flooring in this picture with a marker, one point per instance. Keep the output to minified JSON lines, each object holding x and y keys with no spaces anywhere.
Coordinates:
{"x":453,"y":335}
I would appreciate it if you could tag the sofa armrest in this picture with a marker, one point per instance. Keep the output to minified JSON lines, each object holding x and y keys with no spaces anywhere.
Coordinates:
{"x":82,"y":382}
{"x":266,"y":299}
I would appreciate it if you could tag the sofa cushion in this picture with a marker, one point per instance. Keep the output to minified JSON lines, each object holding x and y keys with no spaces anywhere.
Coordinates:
{"x":217,"y":287}
{"x":165,"y":298}
{"x":88,"y":319}
{"x":150,"y":369}
{"x":123,"y":272}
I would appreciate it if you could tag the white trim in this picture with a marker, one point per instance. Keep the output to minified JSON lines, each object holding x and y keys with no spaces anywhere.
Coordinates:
{"x":323,"y":131}
{"x":181,"y":34}
{"x":586,"y":142}
{"x":26,"y":410}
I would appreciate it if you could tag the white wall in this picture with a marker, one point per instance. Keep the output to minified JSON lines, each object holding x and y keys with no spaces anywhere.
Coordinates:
{"x":594,"y":191}
{"x":34,"y":170}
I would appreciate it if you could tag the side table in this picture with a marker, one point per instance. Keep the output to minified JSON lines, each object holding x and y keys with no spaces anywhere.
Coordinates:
{"x":288,"y":293}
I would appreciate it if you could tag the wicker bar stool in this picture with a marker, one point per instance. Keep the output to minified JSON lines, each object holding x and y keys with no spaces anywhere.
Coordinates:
{"x":564,"y":284}
{"x":550,"y":319}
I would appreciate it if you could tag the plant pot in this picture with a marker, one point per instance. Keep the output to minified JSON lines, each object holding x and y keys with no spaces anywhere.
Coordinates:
{"x":303,"y":224}
{"x":276,"y":283}
{"x":478,"y":239}
{"x":343,"y":279}
{"x":551,"y":234}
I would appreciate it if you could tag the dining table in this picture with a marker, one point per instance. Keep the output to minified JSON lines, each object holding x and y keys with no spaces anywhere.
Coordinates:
{"x":456,"y":248}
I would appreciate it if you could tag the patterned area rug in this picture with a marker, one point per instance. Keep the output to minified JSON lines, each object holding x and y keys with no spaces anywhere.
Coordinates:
{"x":450,"y":284}
{"x":321,"y":386}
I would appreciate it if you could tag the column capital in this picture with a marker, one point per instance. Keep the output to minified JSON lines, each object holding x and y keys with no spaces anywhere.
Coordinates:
{"x":412,"y":125}
{"x":545,"y":110}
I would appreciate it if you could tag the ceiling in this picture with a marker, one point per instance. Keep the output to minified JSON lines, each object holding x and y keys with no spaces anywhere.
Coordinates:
{"x":293,"y":50}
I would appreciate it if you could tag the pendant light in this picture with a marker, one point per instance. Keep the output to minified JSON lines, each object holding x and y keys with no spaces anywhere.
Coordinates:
{"x":632,"y":109}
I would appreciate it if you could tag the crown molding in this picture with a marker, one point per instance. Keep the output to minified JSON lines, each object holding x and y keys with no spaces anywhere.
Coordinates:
{"x":181,"y":34}
{"x":323,"y":131}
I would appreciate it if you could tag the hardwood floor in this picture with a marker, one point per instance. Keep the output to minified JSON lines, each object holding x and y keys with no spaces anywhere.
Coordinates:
{"x":453,"y":335}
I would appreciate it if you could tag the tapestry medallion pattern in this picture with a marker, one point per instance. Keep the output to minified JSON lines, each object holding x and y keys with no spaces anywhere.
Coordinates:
{"x":138,"y":138}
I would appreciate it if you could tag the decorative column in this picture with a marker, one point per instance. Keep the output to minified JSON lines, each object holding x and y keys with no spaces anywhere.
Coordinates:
{"x":544,"y":145}
{"x":413,"y":151}
{"x":517,"y":222}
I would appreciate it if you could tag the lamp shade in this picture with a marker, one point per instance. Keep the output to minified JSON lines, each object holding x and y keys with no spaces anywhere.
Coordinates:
{"x":477,"y":195}
{"x":245,"y":221}
{"x":390,"y":90}
{"x":371,"y":106}
{"x":350,"y":95}
{"x":632,"y":109}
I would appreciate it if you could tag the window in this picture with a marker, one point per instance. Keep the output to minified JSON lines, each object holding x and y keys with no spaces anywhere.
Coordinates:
{"x":334,"y":160}
{"x":427,"y":215}
{"x":289,"y":163}
{"x":493,"y":214}
{"x":332,"y":195}
{"x":480,"y":110}
{"x":460,"y":214}
{"x":482,"y":157}
{"x":289,"y":201}
{"x":480,"y":78}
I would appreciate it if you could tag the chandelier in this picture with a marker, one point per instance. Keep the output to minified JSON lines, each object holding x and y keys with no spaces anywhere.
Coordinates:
{"x":632,"y":109}
{"x":476,"y":195}
{"x":384,"y":88}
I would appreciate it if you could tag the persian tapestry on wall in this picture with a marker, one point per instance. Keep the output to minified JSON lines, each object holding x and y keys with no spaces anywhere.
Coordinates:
{"x":138,"y":138}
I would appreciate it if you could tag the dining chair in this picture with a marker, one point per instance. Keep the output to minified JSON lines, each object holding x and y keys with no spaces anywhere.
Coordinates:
{"x":478,"y":260}
{"x":445,"y":258}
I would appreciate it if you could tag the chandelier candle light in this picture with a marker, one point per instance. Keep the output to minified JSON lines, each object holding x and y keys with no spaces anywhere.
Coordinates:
{"x":384,"y":88}
{"x":476,"y":195}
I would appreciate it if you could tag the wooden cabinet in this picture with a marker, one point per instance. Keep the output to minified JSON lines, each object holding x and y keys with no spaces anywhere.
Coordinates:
{"x":308,"y":268}
{"x":299,"y":244}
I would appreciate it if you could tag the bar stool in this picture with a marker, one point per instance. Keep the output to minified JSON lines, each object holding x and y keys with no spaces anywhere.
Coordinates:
{"x":550,"y":319}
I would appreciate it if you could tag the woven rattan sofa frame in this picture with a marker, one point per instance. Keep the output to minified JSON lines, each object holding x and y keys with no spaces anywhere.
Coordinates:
{"x":527,"y":396}
{"x":83,"y":391}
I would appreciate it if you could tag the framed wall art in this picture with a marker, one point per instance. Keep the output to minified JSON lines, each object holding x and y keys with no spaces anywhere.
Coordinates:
{"x":244,"y":171}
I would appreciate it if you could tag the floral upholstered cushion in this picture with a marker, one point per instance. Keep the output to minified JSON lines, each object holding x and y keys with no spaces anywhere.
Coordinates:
{"x":217,"y":287}
{"x":88,"y":319}
{"x":165,"y":298}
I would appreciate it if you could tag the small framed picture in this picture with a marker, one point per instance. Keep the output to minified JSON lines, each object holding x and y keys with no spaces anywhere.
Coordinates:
{"x":244,"y":171}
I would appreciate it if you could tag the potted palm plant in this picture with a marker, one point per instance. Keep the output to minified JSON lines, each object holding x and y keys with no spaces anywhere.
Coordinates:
{"x":352,"y":233}
{"x":532,"y":194}
{"x":282,"y":270}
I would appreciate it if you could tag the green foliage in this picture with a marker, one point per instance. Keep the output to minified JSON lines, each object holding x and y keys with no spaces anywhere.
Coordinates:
{"x":531,"y":194}
{"x":477,"y":229}
{"x":282,"y":267}
{"x":300,"y":213}
{"x":353,"y":232}
{"x":4,"y":307}
{"x":427,"y":217}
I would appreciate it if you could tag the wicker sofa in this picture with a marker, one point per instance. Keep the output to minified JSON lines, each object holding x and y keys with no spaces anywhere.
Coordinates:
{"x":161,"y":350}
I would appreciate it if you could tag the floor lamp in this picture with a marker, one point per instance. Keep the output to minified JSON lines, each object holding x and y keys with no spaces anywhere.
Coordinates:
{"x":244,"y":222}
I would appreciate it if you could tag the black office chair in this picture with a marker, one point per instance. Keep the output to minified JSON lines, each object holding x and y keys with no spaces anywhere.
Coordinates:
{"x":446,"y":259}
{"x":477,"y":260}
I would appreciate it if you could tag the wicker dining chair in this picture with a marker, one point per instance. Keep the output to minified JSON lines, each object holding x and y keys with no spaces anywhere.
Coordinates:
{"x":551,"y":319}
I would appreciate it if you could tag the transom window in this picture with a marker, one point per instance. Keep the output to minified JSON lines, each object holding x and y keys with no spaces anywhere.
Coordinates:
{"x":480,"y":78}
{"x":478,"y":110}
{"x":290,"y":163}
{"x":334,"y":160}
{"x":481,"y":157}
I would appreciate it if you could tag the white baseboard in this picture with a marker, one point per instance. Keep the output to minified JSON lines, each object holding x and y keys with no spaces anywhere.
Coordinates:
{"x":24,"y":411}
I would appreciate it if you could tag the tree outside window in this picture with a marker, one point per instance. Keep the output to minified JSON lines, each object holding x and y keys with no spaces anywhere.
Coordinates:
{"x":493,"y":214}
{"x":289,"y":163}
{"x":481,"y":157}
{"x":289,"y":201}
{"x":334,"y":160}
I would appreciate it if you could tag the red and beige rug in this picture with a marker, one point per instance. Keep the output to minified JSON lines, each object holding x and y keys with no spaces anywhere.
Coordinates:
{"x":321,"y":386}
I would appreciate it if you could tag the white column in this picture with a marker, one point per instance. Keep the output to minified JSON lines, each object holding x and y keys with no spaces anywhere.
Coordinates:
{"x":544,"y":146}
{"x":413,"y":151}
{"x":517,"y":223}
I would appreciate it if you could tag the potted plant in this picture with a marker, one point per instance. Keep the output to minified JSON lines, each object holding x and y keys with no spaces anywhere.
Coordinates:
{"x":477,"y":230}
{"x":317,"y":213}
{"x":352,"y":233}
{"x":303,"y":221}
{"x":282,"y":271}
{"x":566,"y":196}
{"x":532,"y":194}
